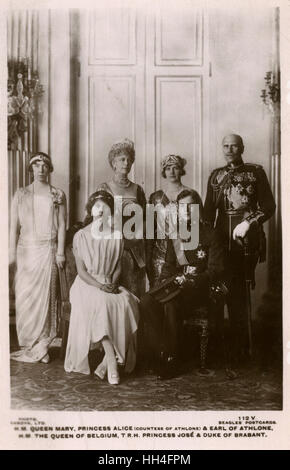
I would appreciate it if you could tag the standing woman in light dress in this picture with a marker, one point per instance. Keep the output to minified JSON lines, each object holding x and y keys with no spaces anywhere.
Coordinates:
{"x":121,"y":158}
{"x":37,"y":239}
{"x":102,"y":312}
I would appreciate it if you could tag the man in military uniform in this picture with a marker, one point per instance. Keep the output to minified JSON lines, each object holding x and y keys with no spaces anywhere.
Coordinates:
{"x":238,"y":201}
{"x":195,"y":270}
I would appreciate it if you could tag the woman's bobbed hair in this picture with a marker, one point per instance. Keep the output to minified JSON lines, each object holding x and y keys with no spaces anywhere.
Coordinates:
{"x":100,"y":195}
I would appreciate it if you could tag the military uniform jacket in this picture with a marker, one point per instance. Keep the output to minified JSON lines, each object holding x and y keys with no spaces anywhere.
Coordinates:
{"x":207,"y":259}
{"x":156,"y":249}
{"x":237,"y":194}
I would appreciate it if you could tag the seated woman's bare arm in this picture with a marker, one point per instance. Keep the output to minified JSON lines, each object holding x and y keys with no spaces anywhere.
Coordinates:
{"x":86,"y":277}
{"x":83,"y":273}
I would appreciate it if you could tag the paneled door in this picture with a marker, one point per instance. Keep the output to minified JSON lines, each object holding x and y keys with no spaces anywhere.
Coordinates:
{"x":143,"y":75}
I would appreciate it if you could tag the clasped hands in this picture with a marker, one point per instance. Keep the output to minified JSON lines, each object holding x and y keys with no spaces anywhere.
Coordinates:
{"x":110,"y":288}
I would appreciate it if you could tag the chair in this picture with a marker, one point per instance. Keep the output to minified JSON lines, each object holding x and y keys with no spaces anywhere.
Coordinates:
{"x":66,"y":278}
{"x":65,"y":311}
{"x":200,"y":321}
{"x":205,"y":318}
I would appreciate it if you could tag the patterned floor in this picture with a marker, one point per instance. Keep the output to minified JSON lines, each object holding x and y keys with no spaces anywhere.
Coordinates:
{"x":49,"y":387}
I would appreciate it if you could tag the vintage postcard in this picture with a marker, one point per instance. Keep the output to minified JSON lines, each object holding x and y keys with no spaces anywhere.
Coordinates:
{"x":144,"y":241}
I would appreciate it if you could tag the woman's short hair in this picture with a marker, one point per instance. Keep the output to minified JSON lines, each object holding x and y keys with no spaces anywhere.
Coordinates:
{"x":186,"y":193}
{"x":40,"y":157}
{"x":173,"y":160}
{"x":196,"y":199}
{"x":100,"y":195}
{"x":126,"y":147}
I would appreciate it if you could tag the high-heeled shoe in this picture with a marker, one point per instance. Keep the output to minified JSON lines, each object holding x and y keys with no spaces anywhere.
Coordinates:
{"x":101,"y":371}
{"x":113,"y":378}
{"x":168,"y":368}
{"x":45,"y":359}
{"x":113,"y":375}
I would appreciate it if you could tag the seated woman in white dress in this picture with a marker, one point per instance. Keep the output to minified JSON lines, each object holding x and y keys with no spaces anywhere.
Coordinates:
{"x":102,"y":311}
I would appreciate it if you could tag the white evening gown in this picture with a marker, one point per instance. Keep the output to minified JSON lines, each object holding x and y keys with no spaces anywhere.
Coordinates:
{"x":35,"y":281}
{"x":96,"y":313}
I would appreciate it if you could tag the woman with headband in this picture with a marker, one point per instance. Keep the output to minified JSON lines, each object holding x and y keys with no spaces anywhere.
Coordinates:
{"x":37,"y":238}
{"x":103,"y":312}
{"x":121,"y":158}
{"x":157,"y":251}
{"x":172,"y":169}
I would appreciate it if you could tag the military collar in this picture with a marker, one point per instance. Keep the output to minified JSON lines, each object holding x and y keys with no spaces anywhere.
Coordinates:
{"x":230,"y":168}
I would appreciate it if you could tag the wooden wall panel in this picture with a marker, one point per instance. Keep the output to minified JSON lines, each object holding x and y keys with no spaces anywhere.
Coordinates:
{"x":179,"y":38}
{"x":112,"y":37}
{"x":111,"y":118}
{"x":178,"y":124}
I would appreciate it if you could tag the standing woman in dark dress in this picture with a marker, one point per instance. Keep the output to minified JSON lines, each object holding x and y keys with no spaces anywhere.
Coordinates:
{"x":121,"y":158}
{"x":172,"y":169}
{"x":158,"y":251}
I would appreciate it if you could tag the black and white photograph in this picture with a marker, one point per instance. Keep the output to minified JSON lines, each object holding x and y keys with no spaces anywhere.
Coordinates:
{"x":144,"y":214}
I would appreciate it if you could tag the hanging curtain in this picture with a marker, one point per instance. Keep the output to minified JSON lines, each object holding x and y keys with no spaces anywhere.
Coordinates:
{"x":275,"y":245}
{"x":22,"y":56}
{"x":22,"y":51}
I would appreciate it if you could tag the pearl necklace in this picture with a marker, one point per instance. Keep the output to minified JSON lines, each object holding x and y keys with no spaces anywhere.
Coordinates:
{"x":123,"y":182}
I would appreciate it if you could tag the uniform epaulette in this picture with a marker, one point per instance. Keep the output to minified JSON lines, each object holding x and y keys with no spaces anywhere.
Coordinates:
{"x":214,"y":174}
{"x":218,"y":169}
{"x":256,"y":165}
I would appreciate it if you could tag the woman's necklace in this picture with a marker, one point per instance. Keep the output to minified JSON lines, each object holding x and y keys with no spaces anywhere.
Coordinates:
{"x":122,"y":181}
